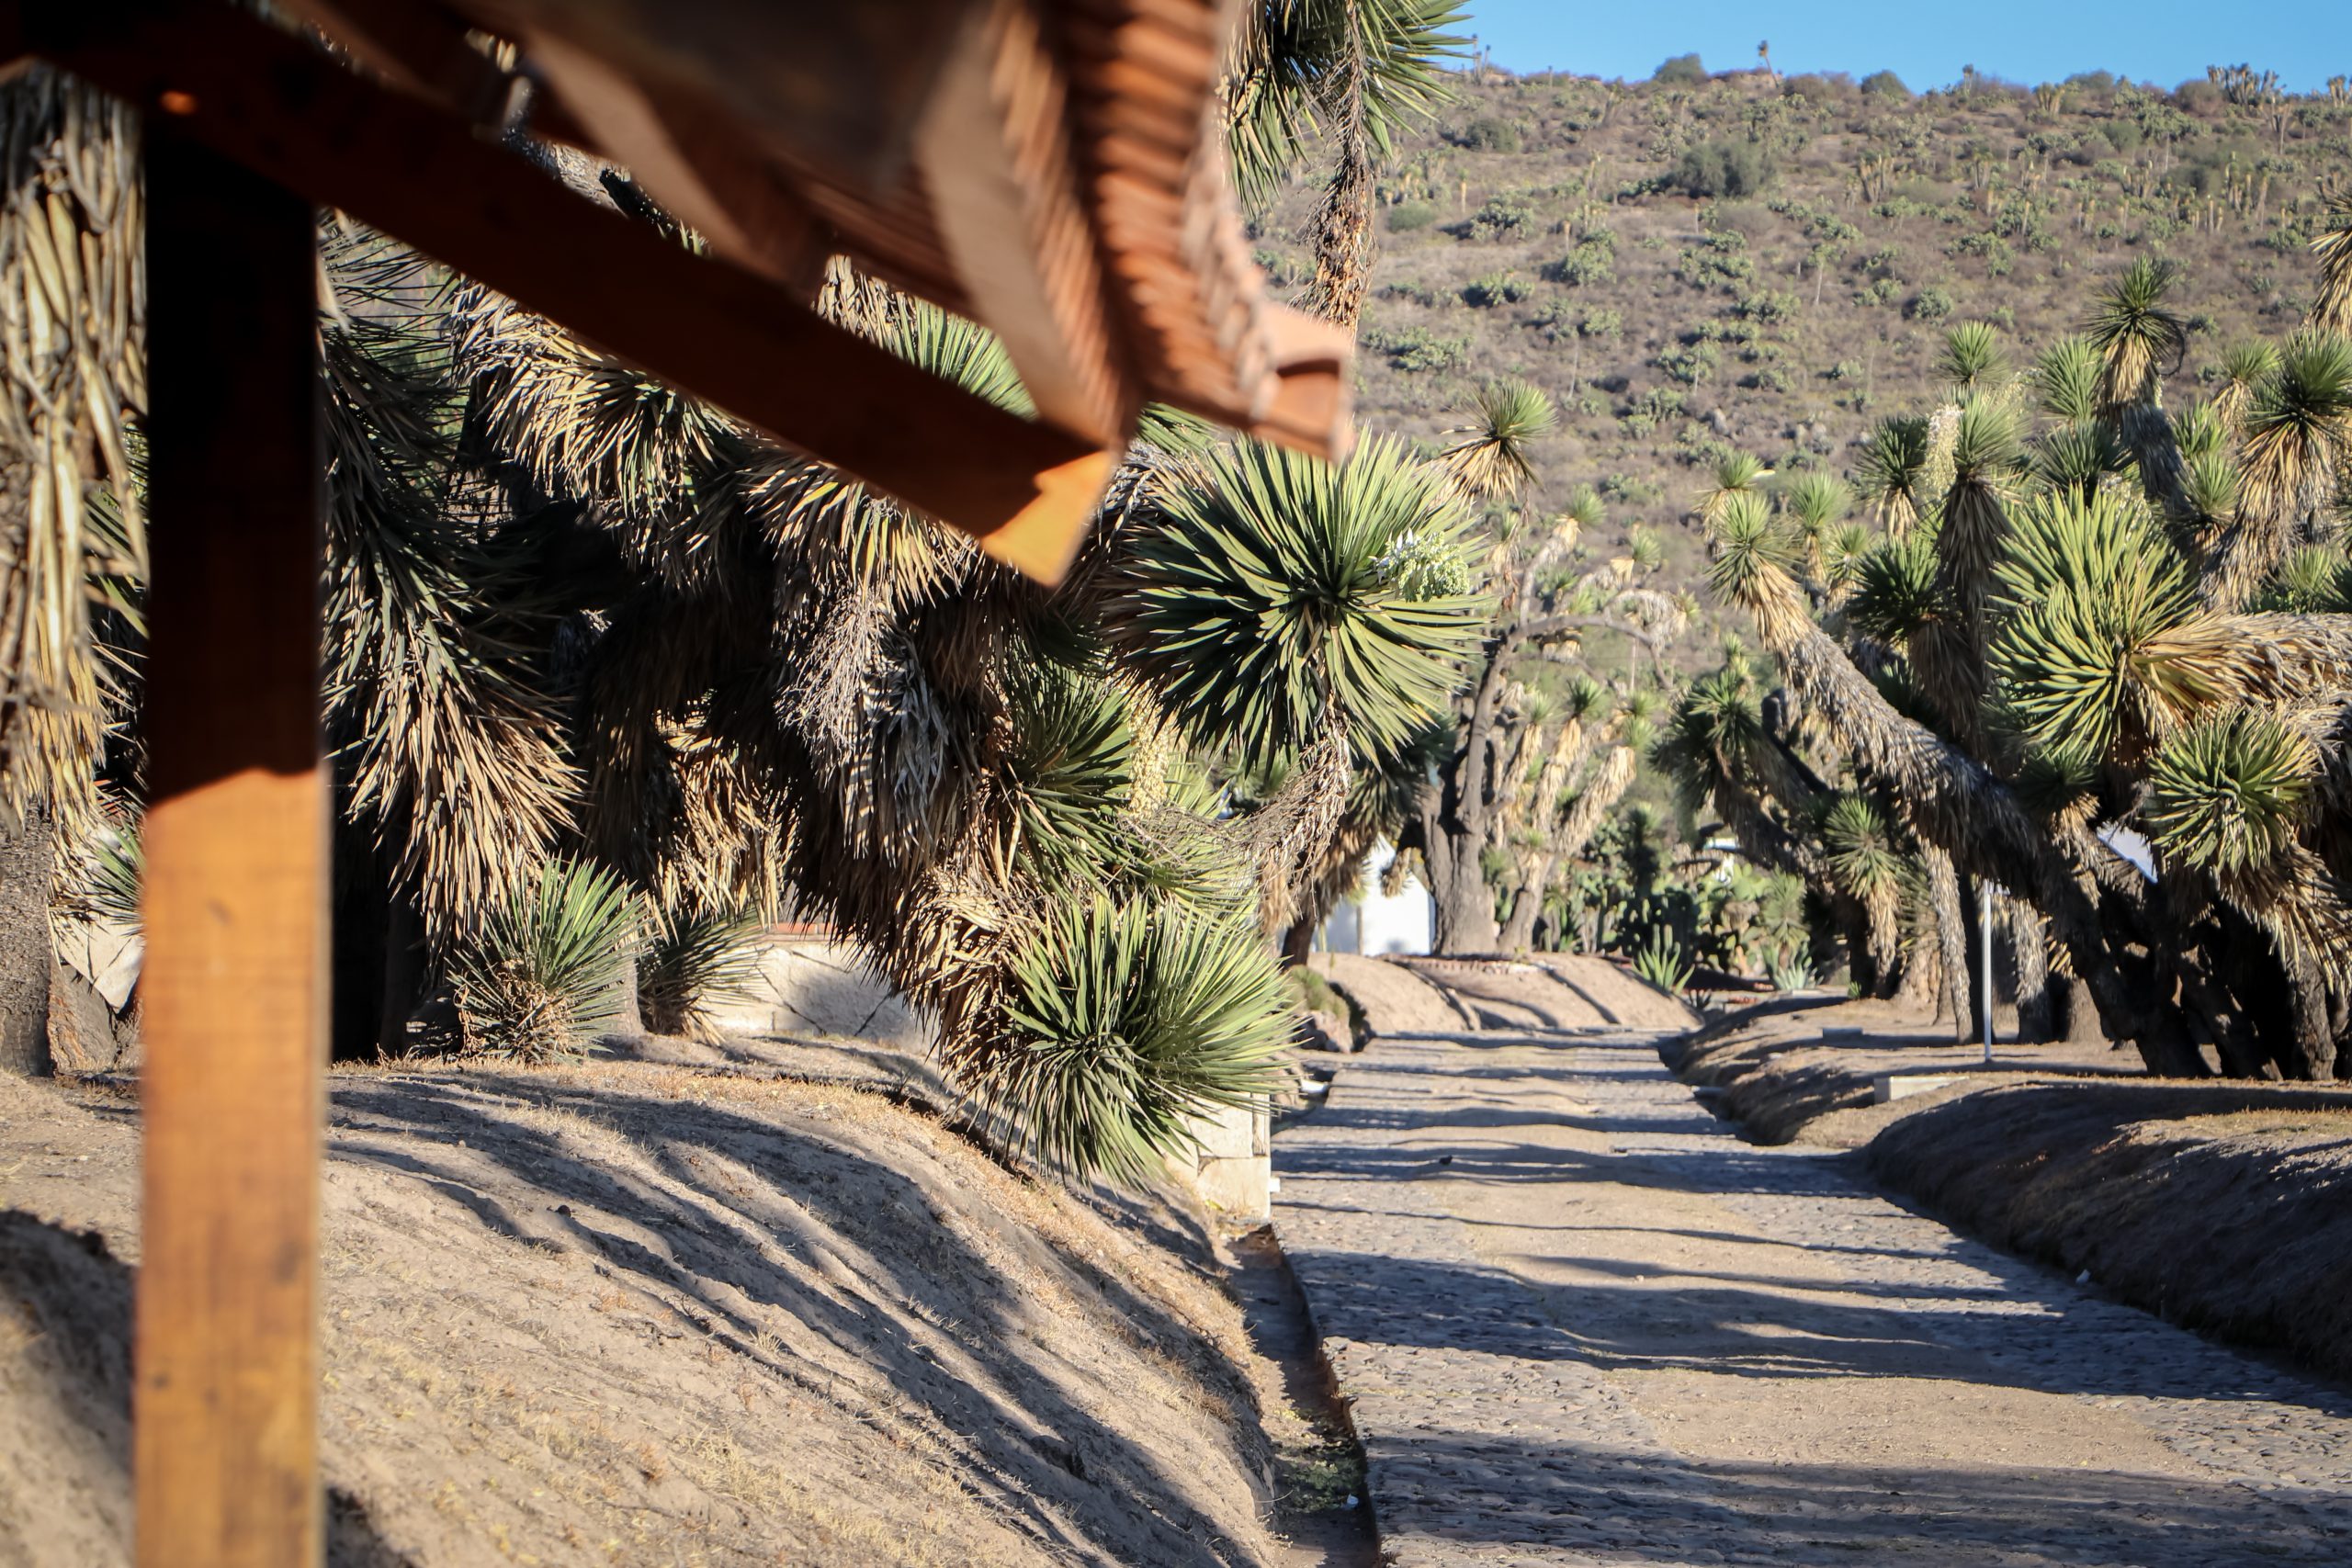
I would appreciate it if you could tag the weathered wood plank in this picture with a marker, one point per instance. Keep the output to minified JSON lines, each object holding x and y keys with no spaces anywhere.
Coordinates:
{"x":710,"y":327}
{"x":235,"y":977}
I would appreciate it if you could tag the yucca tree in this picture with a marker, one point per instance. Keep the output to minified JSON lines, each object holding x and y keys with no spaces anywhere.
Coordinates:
{"x":1559,"y":783}
{"x":2138,"y":337}
{"x":1543,"y":608}
{"x":2331,"y":308}
{"x":1950,"y":798}
{"x":2048,"y":669}
{"x":72,"y":538}
{"x":1294,"y":616}
{"x":1340,"y":77}
{"x":1973,"y":358}
{"x":2295,"y":440}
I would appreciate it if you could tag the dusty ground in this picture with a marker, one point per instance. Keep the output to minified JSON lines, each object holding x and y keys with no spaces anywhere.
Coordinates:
{"x":1581,"y":1321}
{"x":649,"y":1313}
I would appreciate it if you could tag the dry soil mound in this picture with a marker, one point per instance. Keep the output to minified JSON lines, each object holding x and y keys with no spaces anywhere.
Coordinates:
{"x":1502,"y":994}
{"x":639,"y":1312}
{"x":1392,"y":999}
{"x":1805,"y":1070}
{"x":2229,"y":1210}
{"x":1621,"y":998}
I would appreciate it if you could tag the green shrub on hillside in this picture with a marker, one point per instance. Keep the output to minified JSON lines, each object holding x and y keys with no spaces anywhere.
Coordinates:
{"x":1418,"y":350}
{"x":1508,"y":216}
{"x":1489,"y":134}
{"x":1495,"y":288}
{"x":1594,"y":260}
{"x":1930,"y":304}
{"x":1724,"y":169}
{"x":1885,"y":84}
{"x":1408,"y":216}
{"x":1691,"y":365}
{"x":1683,"y":70}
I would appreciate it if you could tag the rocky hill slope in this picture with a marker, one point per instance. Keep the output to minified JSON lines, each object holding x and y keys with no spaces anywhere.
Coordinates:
{"x":1770,"y":264}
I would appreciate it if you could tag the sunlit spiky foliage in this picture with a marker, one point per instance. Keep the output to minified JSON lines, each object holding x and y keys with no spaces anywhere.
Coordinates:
{"x":2139,"y":339}
{"x":1816,"y":503}
{"x":2331,"y":308}
{"x":692,"y":964}
{"x":1890,"y":471}
{"x":541,"y":974}
{"x":2066,"y":379}
{"x":2232,"y":797}
{"x":2298,"y":437}
{"x":1341,"y":75}
{"x":1123,"y":1022}
{"x":1867,"y":860}
{"x":71,"y":535}
{"x":439,"y":696}
{"x":1490,"y":457}
{"x":1754,"y":553}
{"x":2101,"y":648}
{"x":2246,"y":365}
{"x":1282,"y":594}
{"x":2080,"y":456}
{"x":1735,"y":474}
{"x":1973,"y":357}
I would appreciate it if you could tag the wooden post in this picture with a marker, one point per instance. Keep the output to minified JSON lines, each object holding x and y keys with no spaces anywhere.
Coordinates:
{"x":235,"y":980}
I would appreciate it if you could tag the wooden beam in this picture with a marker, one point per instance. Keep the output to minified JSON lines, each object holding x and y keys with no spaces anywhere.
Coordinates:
{"x":235,"y":977}
{"x":994,"y":149}
{"x":708,"y":180}
{"x":418,"y":46}
{"x":713,"y":329}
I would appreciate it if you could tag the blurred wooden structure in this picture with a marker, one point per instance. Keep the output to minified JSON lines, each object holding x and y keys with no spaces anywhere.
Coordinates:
{"x":1051,"y":168}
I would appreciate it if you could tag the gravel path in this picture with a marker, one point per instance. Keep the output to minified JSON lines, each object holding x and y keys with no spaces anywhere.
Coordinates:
{"x":1580,"y":1322}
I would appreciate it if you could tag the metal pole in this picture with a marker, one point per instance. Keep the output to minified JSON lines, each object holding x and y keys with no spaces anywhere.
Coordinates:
{"x":1984,"y":940}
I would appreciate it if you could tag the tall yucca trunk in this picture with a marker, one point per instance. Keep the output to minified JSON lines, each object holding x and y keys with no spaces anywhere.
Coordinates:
{"x":1955,"y":804}
{"x":2037,"y":1007}
{"x":1343,"y":229}
{"x":1951,"y":938}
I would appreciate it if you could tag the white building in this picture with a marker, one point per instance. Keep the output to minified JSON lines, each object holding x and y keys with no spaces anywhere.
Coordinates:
{"x":1373,"y":922}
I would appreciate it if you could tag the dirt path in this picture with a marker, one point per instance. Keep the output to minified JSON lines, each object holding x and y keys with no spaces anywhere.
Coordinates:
{"x":1581,"y":1321}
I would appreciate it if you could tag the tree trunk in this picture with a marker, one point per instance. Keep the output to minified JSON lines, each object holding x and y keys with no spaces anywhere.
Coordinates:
{"x":405,"y":971}
{"x":2315,"y":1036}
{"x":28,"y":870}
{"x":1951,"y":938}
{"x":1465,"y":911}
{"x":1519,"y":933}
{"x":629,"y":1023}
{"x":2081,"y":1024}
{"x":1298,"y":943}
{"x":2037,"y":1006}
{"x":357,"y":937}
{"x":1922,"y":979}
{"x":1341,"y":231}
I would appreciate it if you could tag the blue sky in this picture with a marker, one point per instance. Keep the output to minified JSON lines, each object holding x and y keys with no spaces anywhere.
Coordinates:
{"x":1925,"y":43}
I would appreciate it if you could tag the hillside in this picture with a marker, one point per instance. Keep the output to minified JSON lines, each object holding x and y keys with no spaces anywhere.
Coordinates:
{"x":1547,"y":227}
